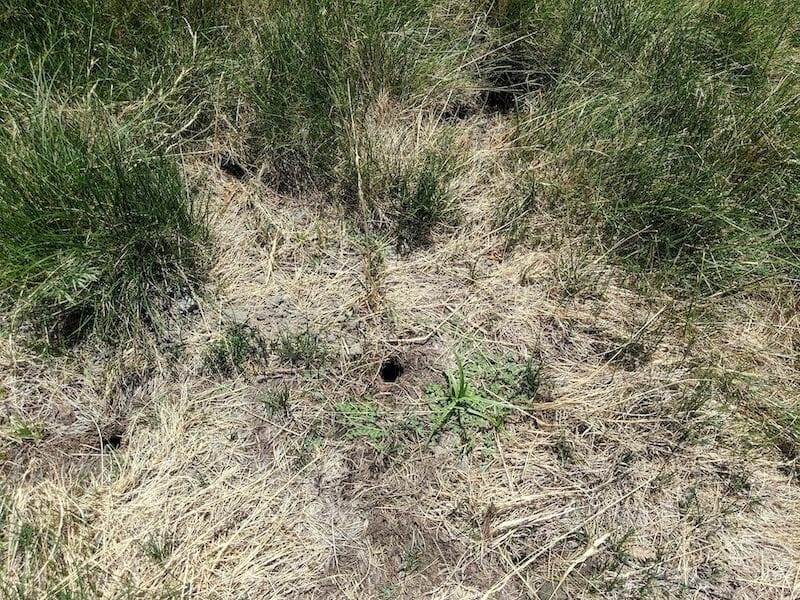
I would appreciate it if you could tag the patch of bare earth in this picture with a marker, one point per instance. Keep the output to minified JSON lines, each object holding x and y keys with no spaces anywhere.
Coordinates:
{"x":640,"y":469}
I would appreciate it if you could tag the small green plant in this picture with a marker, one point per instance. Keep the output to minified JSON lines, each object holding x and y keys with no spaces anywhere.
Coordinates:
{"x":238,"y":345}
{"x":480,"y":395}
{"x":26,"y":432}
{"x":276,"y":401}
{"x":458,"y":396}
{"x":360,"y":420}
{"x":618,"y":557}
{"x":300,"y":349}
{"x":159,"y":548}
{"x":412,"y":558}
{"x":564,"y":450}
{"x":467,"y":409}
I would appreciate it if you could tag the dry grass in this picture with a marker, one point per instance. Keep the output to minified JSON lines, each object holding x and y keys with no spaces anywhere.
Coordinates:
{"x":641,"y":469}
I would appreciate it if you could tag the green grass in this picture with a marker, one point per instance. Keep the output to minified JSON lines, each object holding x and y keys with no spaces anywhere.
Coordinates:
{"x":304,"y":348}
{"x":96,"y":234}
{"x":98,"y":229}
{"x":670,"y":127}
{"x":20,"y":431}
{"x":165,"y":60}
{"x":230,"y":354}
{"x":418,"y":199}
{"x":481,"y":394}
{"x":320,"y":64}
{"x":276,"y":401}
{"x":296,"y":79}
{"x":675,"y":128}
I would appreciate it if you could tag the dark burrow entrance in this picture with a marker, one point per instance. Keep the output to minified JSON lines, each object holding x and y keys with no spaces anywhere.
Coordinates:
{"x":232,"y":167}
{"x":391,"y":369}
{"x":72,"y":326}
{"x":111,"y":442}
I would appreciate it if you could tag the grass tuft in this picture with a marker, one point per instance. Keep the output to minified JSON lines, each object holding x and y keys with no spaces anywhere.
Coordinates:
{"x":304,"y":348}
{"x":421,"y":201}
{"x":321,"y":64}
{"x":230,"y":354}
{"x":674,"y":125}
{"x":95,"y":233}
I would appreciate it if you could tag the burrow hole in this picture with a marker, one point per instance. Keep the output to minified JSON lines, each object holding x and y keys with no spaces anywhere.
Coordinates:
{"x":391,"y":369}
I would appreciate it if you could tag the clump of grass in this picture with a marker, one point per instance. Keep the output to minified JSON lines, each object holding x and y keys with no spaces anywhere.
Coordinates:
{"x":159,"y":548}
{"x":579,"y":275}
{"x":169,"y":60}
{"x":320,"y":69}
{"x":276,"y":400}
{"x":420,"y":201}
{"x":238,"y":345}
{"x":531,"y":377}
{"x":300,"y":349}
{"x":406,"y":183}
{"x":96,"y":234}
{"x":676,"y":124}
{"x":322,"y":62}
{"x":295,"y":96}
